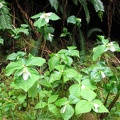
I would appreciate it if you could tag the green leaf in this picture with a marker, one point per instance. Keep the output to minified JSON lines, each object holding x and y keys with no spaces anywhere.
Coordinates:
{"x":98,"y":51}
{"x":41,"y":104}
{"x":60,"y":102}
{"x":35,"y":61}
{"x":55,"y":76}
{"x":87,"y":94}
{"x":52,"y":108}
{"x":36,"y":16}
{"x":82,"y":106}
{"x":21,"y":98}
{"x":40,"y":23}
{"x":100,"y":108}
{"x":73,"y":99}
{"x":26,"y":84}
{"x":75,"y":90}
{"x":70,"y":73}
{"x":32,"y":92}
{"x":85,"y":7}
{"x":54,"y":3}
{"x":12,"y":66}
{"x":72,"y":51}
{"x":67,"y":112}
{"x":54,"y":17}
{"x":60,"y":68}
{"x":53,"y":62}
{"x":46,"y":83}
{"x":71,"y":19}
{"x":75,"y":2}
{"x":52,"y":98}
{"x":1,"y":40}
{"x":12,"y":56}
{"x":98,"y":5}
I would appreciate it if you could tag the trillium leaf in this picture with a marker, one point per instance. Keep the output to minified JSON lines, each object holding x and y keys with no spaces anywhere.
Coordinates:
{"x":52,"y":98}
{"x":71,"y":19}
{"x":75,"y":90}
{"x":87,"y":94}
{"x":98,"y":51}
{"x":54,"y":17}
{"x":82,"y":106}
{"x":11,"y":67}
{"x":67,"y":112}
{"x":41,"y":104}
{"x":26,"y":84}
{"x":101,"y":108}
{"x":52,"y":108}
{"x":40,"y":23}
{"x":55,"y":76}
{"x":60,"y":102}
{"x":53,"y":62}
{"x":35,"y":61}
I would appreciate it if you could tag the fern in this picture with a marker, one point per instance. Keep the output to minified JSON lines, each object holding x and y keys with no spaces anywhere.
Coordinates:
{"x":92,"y":30}
{"x":98,"y":5}
{"x":5,"y":20}
{"x":87,"y":13}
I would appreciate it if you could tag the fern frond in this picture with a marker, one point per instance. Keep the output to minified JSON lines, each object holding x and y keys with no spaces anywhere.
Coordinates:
{"x":98,"y":5}
{"x":5,"y":20}
{"x":87,"y":13}
{"x":92,"y":30}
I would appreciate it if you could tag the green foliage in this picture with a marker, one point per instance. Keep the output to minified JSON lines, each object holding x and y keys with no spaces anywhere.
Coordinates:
{"x":1,"y":40}
{"x":5,"y":20}
{"x":54,"y":4}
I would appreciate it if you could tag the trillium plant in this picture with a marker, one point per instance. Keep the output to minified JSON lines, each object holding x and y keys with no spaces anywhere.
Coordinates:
{"x":62,"y":88}
{"x":42,"y":24}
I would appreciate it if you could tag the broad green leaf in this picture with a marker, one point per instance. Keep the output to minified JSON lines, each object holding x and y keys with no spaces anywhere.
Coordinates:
{"x":71,"y":73}
{"x":12,"y":56}
{"x":26,"y":84}
{"x":52,"y":108}
{"x":60,"y":102}
{"x":73,"y":99}
{"x":82,"y":106}
{"x":53,"y":62}
{"x":97,"y":51}
{"x":12,"y":66}
{"x":71,"y":19}
{"x":36,"y":16}
{"x":52,"y":98}
{"x":49,"y":30}
{"x":41,"y":104}
{"x":21,"y":98}
{"x":75,"y":90}
{"x":72,"y":52}
{"x":46,"y":83}
{"x":67,"y":112}
{"x":32,"y":92}
{"x":55,"y":76}
{"x":54,"y":17}
{"x":40,"y":23}
{"x":35,"y":61}
{"x":60,"y":68}
{"x":87,"y":83}
{"x":87,"y":94}
{"x":54,"y":3}
{"x":98,"y":106}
